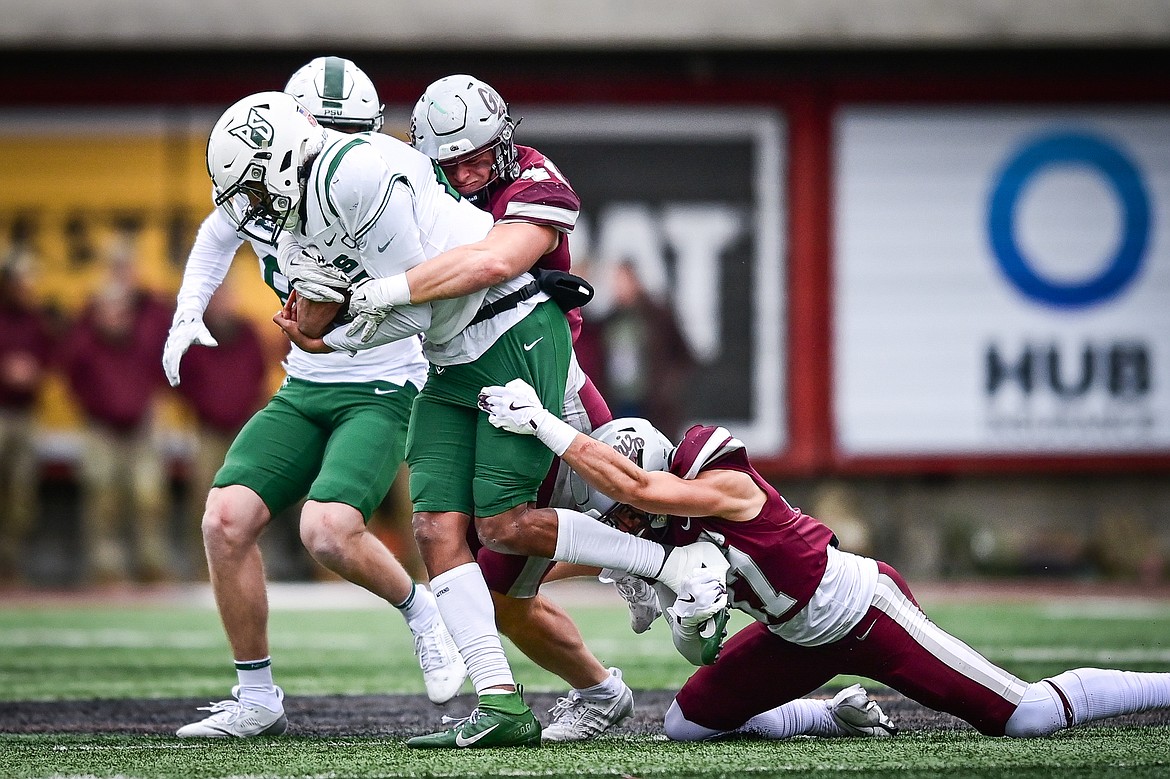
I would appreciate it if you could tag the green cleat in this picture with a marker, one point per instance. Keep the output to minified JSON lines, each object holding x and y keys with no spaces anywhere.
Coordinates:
{"x":498,"y":721}
{"x":712,"y":632}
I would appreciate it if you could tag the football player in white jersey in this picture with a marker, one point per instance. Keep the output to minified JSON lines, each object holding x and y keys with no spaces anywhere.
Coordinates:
{"x":379,"y":205}
{"x":335,"y":432}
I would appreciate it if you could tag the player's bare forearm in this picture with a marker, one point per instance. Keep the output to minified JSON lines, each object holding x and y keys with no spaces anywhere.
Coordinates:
{"x":506,"y":252}
{"x":606,"y":470}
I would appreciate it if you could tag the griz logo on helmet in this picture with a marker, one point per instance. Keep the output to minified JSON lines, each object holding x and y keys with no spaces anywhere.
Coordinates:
{"x":630,"y":446}
{"x":492,"y":102}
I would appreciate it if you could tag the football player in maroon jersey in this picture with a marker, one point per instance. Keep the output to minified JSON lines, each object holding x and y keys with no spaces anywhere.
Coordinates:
{"x":819,"y":611}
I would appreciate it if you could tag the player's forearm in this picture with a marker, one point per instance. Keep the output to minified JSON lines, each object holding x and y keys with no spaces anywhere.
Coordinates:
{"x":460,"y":271}
{"x":207,"y":263}
{"x":608,"y":471}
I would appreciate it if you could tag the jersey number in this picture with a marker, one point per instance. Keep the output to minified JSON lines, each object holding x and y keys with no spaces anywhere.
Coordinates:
{"x":775,"y":603}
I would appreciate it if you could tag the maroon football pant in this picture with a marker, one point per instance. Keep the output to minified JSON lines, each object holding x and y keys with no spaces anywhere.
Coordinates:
{"x":894,"y":644}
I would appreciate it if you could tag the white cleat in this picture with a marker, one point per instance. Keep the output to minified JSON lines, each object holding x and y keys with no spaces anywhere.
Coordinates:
{"x":859,"y":715}
{"x":442,"y":666}
{"x":682,"y":561}
{"x":236,"y":719}
{"x":640,"y":597}
{"x":577,"y":719}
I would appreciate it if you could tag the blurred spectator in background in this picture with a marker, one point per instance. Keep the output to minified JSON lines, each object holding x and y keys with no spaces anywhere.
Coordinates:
{"x":25,"y":351}
{"x":110,"y":360}
{"x":224,"y":387}
{"x":645,"y":358}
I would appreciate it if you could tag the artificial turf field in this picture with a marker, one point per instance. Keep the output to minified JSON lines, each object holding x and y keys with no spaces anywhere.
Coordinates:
{"x":96,"y":688}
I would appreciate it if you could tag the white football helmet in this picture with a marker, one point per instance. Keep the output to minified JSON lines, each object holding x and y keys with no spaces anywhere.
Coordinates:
{"x":650,"y":450}
{"x":256,"y":157}
{"x":460,"y":116}
{"x":339,"y":94}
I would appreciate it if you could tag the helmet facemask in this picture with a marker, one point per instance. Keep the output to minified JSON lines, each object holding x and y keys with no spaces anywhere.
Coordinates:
{"x":634,"y":521}
{"x":256,"y":212}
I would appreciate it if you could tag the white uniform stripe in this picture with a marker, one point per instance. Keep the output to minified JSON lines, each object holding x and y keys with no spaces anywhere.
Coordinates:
{"x":954,"y":653}
{"x":563,"y":219}
{"x":718,"y":444}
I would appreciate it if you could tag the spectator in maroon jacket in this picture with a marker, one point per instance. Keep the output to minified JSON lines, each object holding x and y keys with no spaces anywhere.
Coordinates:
{"x":25,"y":351}
{"x":646,"y":360}
{"x":224,"y":387}
{"x":111,"y":363}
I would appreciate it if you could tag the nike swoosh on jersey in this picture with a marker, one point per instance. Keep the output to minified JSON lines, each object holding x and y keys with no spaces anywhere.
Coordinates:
{"x":382,"y":248}
{"x":329,"y":241}
{"x":528,"y":347}
{"x":380,"y":391}
{"x":460,"y":741}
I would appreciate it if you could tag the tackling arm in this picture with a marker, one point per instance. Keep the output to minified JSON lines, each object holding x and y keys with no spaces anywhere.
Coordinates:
{"x":508,"y":250}
{"x":726,"y":494}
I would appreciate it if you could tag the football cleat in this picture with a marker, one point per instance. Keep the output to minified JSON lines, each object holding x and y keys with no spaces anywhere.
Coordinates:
{"x":498,"y":721}
{"x":576,"y":719}
{"x":640,"y":598}
{"x":442,"y":666}
{"x":236,"y":719}
{"x":859,"y":715}
{"x":681,"y":561}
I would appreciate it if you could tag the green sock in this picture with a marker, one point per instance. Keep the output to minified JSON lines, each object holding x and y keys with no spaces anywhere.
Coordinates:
{"x":507,"y":702}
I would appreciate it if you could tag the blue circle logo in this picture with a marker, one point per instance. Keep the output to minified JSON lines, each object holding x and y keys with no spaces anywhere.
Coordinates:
{"x":1122,"y":176}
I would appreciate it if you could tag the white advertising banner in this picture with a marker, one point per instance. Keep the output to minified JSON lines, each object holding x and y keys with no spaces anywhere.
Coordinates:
{"x":1001,"y":281}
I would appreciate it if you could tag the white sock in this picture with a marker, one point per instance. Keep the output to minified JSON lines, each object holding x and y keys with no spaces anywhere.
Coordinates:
{"x":609,"y":687}
{"x":256,"y":686}
{"x":419,"y":609}
{"x":466,"y":607}
{"x":1095,"y":693}
{"x":801,"y":717}
{"x":1086,"y":695}
{"x":582,"y":539}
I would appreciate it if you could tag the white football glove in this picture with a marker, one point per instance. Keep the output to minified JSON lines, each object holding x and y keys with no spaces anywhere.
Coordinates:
{"x":187,"y":328}
{"x":370,"y":302}
{"x":314,"y":279}
{"x":702,"y":595}
{"x":514,"y":407}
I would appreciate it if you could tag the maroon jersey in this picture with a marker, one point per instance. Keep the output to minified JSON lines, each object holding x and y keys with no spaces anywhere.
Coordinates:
{"x":225,"y":384}
{"x":777,"y":558}
{"x":540,"y":195}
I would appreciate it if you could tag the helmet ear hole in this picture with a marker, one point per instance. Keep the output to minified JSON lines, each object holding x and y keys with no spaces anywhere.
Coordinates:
{"x":286,"y":163}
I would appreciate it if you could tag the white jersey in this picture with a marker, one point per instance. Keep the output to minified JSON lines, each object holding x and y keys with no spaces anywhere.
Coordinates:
{"x":375,"y":205}
{"x":207,"y":266}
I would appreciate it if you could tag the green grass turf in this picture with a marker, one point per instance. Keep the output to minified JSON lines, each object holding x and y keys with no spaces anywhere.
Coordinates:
{"x":60,"y":652}
{"x":1096,"y":752}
